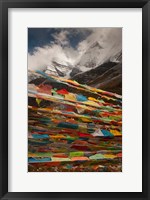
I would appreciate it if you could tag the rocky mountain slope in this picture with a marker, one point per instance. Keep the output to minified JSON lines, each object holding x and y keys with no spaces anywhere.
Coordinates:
{"x":107,"y":76}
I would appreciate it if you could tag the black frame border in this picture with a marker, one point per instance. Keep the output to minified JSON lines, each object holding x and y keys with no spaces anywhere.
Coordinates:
{"x":4,"y":6}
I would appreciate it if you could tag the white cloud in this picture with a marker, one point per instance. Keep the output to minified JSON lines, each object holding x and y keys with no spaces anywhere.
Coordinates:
{"x":44,"y":56}
{"x":107,"y":37}
{"x":61,"y":37}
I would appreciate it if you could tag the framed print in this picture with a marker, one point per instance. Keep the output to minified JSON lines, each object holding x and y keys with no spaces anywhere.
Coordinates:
{"x":64,"y":121}
{"x":74,"y":99}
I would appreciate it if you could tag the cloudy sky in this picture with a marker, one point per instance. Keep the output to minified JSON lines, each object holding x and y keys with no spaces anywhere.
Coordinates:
{"x":67,"y":45}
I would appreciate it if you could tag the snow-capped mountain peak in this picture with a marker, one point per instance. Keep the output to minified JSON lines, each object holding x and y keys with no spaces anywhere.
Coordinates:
{"x":58,"y":69}
{"x":91,"y":56}
{"x":96,"y":45}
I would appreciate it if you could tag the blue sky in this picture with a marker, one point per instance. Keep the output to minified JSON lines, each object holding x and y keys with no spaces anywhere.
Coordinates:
{"x":40,"y":37}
